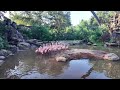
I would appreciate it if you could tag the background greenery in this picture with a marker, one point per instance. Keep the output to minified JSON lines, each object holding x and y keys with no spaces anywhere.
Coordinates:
{"x":56,"y":25}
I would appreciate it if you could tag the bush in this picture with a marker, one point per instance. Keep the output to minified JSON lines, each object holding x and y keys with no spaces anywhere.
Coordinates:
{"x":37,"y":32}
{"x":3,"y":43}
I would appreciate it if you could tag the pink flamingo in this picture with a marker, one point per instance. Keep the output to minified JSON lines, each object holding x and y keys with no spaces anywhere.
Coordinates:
{"x":51,"y":47}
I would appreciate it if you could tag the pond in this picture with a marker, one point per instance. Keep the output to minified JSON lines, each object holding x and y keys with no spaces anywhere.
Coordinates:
{"x":29,"y":65}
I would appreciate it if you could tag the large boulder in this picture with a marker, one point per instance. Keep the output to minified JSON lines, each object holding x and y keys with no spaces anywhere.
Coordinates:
{"x":94,"y":44}
{"x":5,"y":53}
{"x":74,"y":54}
{"x":32,"y":46}
{"x":23,"y":45}
{"x":111,"y":56}
{"x":89,"y":43}
{"x":34,"y":42}
{"x":31,"y":41}
{"x":1,"y":62}
{"x":2,"y":57}
{"x":39,"y":43}
{"x":12,"y":34}
{"x":13,"y":48}
{"x":61,"y":59}
{"x":13,"y":77}
{"x":111,"y":44}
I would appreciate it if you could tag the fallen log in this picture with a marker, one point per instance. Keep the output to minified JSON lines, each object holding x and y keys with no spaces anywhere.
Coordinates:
{"x":73,"y":54}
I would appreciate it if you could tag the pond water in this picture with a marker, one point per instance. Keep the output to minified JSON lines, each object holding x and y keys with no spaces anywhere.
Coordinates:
{"x":29,"y":65}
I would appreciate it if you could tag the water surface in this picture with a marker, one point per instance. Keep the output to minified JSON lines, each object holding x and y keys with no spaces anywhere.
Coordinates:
{"x":29,"y":65}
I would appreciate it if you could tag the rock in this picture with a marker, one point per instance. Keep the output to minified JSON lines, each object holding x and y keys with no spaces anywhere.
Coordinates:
{"x":2,"y":57}
{"x":105,"y":37}
{"x":35,"y":42}
{"x":111,"y":44}
{"x":1,"y":62}
{"x":5,"y":53}
{"x":20,"y":36}
{"x":39,"y":43}
{"x":61,"y":59}
{"x":33,"y":46}
{"x":74,"y":54}
{"x":89,"y":43}
{"x":31,"y":41}
{"x":111,"y":56}
{"x":23,"y":45}
{"x":13,"y":77}
{"x":13,"y":48}
{"x":114,"y":27}
{"x":94,"y":44}
{"x":11,"y":33}
{"x":14,"y":36}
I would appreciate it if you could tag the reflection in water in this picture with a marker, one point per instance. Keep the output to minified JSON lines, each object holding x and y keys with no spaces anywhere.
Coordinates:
{"x":76,"y":69}
{"x":28,"y":65}
{"x":110,"y":69}
{"x":88,"y":73}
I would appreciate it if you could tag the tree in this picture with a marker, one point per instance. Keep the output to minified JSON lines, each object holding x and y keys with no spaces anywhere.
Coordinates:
{"x":27,"y":17}
{"x":56,"y":20}
{"x":95,"y":17}
{"x":52,"y":18}
{"x":103,"y":17}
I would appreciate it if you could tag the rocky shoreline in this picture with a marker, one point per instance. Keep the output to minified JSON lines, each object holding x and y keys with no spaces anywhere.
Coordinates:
{"x":21,"y":46}
{"x":74,"y":54}
{"x":16,"y":41}
{"x":34,"y":44}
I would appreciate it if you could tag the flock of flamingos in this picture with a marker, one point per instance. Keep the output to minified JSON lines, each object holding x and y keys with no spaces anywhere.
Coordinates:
{"x":51,"y":47}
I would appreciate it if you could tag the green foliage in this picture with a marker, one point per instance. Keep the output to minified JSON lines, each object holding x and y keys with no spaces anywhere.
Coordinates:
{"x":55,"y":19}
{"x":38,"y":32}
{"x":3,"y":41}
{"x":2,"y":28}
{"x":104,"y":16}
{"x":55,"y":25}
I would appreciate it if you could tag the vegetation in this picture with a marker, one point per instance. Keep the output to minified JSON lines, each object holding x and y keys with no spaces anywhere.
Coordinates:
{"x":56,"y":25}
{"x":3,"y":40}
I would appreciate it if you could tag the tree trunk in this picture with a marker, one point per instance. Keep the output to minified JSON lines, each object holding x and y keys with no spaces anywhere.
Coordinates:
{"x":96,"y":17}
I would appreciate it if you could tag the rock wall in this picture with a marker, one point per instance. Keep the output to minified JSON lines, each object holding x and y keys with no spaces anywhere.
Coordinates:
{"x":15,"y":39}
{"x":114,"y":28}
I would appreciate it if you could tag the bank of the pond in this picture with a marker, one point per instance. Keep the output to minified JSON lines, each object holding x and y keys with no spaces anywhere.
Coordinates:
{"x":33,"y":44}
{"x":86,"y":53}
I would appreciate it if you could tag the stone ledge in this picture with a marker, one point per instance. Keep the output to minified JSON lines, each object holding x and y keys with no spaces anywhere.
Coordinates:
{"x":85,"y":53}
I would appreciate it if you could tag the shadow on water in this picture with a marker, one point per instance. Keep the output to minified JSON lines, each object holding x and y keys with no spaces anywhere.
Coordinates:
{"x":29,"y":65}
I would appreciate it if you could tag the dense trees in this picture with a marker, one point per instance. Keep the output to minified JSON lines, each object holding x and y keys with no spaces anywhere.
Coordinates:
{"x":56,"y":25}
{"x":57,"y":21}
{"x":59,"y":25}
{"x":3,"y":40}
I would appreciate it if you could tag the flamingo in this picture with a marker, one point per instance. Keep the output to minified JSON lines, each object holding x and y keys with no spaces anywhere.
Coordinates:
{"x":66,"y":46}
{"x":50,"y":48}
{"x":36,"y":50}
{"x":53,"y":48}
{"x":45,"y":48}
